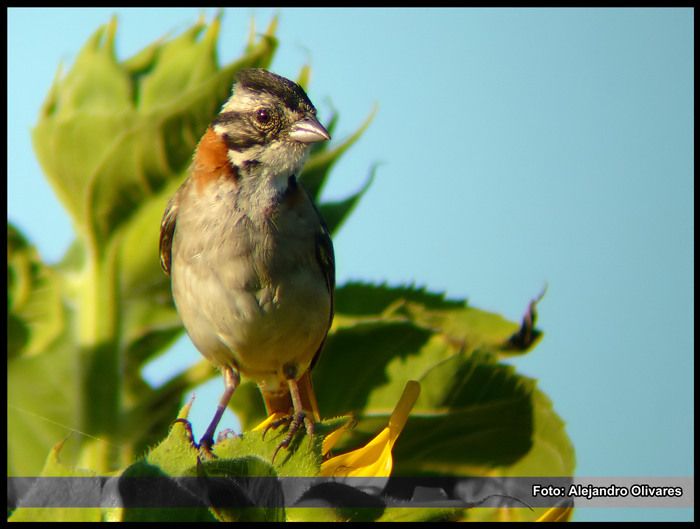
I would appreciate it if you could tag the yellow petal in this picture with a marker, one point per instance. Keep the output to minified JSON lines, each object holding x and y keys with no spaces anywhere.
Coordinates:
{"x":556,"y":514}
{"x":332,"y":438}
{"x":374,"y":459}
{"x":400,"y":414}
{"x":272,"y":418}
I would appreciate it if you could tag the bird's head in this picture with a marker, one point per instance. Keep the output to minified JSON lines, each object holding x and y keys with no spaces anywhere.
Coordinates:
{"x":268,"y":125}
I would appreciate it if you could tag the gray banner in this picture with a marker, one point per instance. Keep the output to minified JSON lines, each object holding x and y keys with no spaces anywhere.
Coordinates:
{"x":271,"y":492}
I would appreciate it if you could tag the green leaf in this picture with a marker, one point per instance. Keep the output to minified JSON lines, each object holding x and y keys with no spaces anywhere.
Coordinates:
{"x":472,"y":413}
{"x":44,"y":404}
{"x":45,"y":497}
{"x":366,"y":299}
{"x":241,"y":481}
{"x":463,"y":395}
{"x":552,"y":453}
{"x":303,"y":458}
{"x":36,"y":316}
{"x":358,"y":362}
{"x":143,"y":480}
{"x":334,"y":213}
{"x":464,"y":326}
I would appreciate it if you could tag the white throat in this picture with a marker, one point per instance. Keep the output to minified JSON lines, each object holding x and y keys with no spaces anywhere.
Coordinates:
{"x":265,"y":183}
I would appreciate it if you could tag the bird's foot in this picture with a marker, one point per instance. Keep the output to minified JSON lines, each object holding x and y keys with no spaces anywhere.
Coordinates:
{"x":295,"y":421}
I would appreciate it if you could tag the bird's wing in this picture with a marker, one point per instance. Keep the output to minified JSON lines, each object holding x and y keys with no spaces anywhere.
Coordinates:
{"x":326,"y":261}
{"x":167,"y":230}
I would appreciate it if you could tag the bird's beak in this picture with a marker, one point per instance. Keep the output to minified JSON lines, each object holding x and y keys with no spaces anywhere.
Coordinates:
{"x":308,"y":130}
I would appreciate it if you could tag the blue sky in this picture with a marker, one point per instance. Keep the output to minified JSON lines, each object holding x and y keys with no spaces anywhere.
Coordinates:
{"x":517,"y":148}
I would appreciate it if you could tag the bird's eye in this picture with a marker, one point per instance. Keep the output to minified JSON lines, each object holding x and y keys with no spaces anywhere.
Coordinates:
{"x":263,"y":116}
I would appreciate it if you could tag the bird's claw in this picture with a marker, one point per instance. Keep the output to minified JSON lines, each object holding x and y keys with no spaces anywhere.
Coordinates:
{"x":295,"y":422}
{"x":277,"y":423}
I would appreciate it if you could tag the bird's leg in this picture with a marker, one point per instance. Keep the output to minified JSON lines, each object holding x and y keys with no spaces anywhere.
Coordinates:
{"x":231,"y":380}
{"x":298,"y":417}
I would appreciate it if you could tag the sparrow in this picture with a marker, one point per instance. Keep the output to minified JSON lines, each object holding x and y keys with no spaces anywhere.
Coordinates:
{"x":249,"y":256}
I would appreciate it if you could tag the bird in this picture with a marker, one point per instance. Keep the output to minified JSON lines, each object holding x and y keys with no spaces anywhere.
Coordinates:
{"x":249,"y":256}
